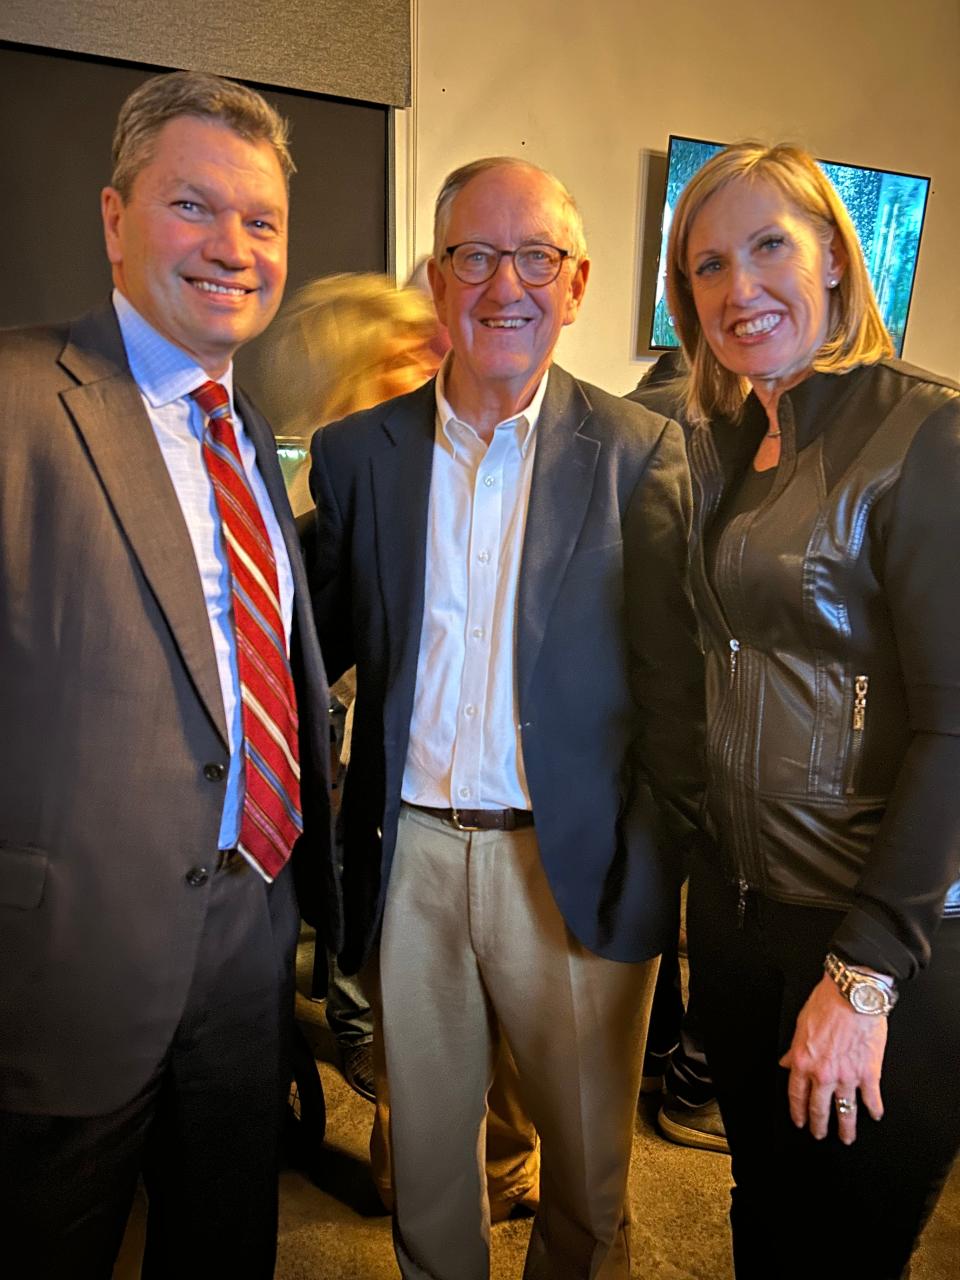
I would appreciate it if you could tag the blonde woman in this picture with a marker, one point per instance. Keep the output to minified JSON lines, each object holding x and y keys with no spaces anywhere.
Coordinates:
{"x":826,"y":582}
{"x":345,"y":342}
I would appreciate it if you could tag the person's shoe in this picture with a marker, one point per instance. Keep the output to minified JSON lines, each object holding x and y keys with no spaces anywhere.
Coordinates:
{"x":525,"y":1206}
{"x":700,"y":1127}
{"x":358,"y":1070}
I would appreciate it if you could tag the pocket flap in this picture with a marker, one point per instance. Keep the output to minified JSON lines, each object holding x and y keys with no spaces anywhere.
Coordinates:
{"x":23,"y":872}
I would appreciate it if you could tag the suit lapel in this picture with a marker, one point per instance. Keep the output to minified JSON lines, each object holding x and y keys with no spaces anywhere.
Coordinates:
{"x":108,"y":412}
{"x":400,"y":475}
{"x":560,"y":490}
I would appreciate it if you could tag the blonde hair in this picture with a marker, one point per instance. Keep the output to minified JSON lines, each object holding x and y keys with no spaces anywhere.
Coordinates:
{"x":331,"y":341}
{"x":856,"y":333}
{"x":454,"y":183}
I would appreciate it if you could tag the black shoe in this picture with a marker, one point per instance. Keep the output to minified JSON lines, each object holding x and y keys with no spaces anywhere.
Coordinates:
{"x":305,"y":1118}
{"x":693,"y":1126}
{"x":358,"y":1070}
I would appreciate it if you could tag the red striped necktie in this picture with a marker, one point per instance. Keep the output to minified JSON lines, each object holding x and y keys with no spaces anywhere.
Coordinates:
{"x":271,"y":818}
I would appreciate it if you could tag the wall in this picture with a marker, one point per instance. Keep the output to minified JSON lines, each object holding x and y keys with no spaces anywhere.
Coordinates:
{"x":352,"y":48}
{"x":586,"y":87}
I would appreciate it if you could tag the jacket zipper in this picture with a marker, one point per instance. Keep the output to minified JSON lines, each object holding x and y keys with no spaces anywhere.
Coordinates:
{"x":743,"y":886}
{"x":743,"y":890}
{"x":734,"y":651}
{"x":861,"y":686}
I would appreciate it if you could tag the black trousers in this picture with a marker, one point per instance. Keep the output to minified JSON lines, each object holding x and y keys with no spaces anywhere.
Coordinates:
{"x":674,"y":1039}
{"x":204,"y":1133}
{"x":802,"y":1208}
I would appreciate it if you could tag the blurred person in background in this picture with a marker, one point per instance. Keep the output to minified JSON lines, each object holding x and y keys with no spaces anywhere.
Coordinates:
{"x":345,"y":343}
{"x":825,"y":930}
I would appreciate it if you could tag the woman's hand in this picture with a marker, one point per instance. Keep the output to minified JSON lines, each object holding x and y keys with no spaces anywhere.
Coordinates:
{"x":835,"y":1052}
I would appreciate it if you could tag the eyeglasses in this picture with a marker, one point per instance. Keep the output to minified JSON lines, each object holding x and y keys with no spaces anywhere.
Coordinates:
{"x":535,"y":264}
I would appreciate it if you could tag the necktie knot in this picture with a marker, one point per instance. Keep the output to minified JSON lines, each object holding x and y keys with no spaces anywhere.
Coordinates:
{"x":212,"y":399}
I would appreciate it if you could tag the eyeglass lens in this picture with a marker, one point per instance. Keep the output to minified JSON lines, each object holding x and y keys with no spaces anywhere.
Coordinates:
{"x":535,"y":263}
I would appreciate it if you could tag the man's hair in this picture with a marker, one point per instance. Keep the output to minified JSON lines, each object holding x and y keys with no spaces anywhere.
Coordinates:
{"x":455,"y":182}
{"x":856,"y":334}
{"x":332,"y":340}
{"x":191,"y":93}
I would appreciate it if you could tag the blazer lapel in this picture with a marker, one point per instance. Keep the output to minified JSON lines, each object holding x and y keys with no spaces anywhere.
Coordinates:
{"x":560,"y":490}
{"x":400,"y":475}
{"x":108,"y":412}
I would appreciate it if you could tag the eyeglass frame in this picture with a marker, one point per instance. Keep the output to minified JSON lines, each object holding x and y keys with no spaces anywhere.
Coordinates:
{"x":565,"y":254}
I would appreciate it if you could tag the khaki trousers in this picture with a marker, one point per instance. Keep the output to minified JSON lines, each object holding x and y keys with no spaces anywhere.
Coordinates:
{"x":473,"y":949}
{"x":513,"y":1148}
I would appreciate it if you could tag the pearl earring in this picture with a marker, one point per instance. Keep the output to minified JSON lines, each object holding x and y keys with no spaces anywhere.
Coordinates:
{"x":832,"y":283}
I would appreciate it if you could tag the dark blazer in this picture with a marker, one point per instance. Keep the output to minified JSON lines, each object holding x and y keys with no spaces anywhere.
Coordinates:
{"x":113,"y":749}
{"x":607,"y":665}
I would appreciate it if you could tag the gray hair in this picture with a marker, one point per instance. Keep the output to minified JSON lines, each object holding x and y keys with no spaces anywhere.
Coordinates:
{"x":454,"y":183}
{"x":192,"y":93}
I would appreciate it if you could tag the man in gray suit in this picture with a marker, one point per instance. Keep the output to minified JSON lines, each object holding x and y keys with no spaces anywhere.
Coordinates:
{"x":149,"y":788}
{"x":502,"y":554}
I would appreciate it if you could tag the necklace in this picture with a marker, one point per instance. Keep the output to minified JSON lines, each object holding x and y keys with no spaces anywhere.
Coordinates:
{"x":774,"y":435}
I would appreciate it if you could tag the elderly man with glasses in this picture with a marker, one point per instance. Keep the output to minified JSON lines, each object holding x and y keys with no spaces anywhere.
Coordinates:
{"x":502,"y":554}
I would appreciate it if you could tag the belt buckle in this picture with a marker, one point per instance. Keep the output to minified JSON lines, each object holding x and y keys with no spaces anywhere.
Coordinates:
{"x":460,"y":825}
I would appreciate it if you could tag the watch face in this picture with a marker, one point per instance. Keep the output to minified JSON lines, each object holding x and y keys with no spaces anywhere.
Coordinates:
{"x":866,"y":998}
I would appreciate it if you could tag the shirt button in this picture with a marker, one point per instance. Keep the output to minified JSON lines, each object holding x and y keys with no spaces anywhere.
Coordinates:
{"x":478,"y":633}
{"x":469,"y":709}
{"x":464,"y":793}
{"x":197,"y":876}
{"x":484,"y":557}
{"x":489,"y":481}
{"x":214,"y":772}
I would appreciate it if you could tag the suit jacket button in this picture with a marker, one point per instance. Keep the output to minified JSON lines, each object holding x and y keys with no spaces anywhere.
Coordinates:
{"x":214,"y":772}
{"x":197,"y":876}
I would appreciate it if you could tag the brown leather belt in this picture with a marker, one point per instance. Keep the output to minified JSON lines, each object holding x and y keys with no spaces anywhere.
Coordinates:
{"x":480,"y":819}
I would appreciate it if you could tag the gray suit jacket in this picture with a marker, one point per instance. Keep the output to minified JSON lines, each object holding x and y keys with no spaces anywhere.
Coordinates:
{"x":607,"y":664}
{"x":113,"y":745}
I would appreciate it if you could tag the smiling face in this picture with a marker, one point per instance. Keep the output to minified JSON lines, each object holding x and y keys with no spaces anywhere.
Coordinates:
{"x":761,"y":276}
{"x":503,"y":332}
{"x":200,"y":248}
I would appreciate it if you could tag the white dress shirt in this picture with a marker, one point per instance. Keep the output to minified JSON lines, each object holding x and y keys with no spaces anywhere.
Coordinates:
{"x":465,"y":749}
{"x":165,"y":375}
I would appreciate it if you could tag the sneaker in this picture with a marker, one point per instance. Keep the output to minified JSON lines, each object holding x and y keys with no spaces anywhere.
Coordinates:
{"x":700,"y":1127}
{"x":358,"y":1070}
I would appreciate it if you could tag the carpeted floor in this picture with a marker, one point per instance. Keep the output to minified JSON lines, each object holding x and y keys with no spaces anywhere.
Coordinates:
{"x":332,"y":1227}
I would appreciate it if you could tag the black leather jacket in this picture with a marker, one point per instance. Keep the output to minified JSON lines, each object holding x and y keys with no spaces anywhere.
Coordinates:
{"x":831,"y":624}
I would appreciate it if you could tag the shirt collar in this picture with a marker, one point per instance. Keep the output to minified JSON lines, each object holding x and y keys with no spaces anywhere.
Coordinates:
{"x":163,"y":371}
{"x":525,"y":421}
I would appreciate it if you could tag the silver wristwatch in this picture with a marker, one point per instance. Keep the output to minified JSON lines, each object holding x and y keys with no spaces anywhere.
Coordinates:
{"x":866,"y":993}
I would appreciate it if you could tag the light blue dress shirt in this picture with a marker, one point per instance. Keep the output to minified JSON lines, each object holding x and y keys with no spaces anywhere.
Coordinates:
{"x":165,"y":375}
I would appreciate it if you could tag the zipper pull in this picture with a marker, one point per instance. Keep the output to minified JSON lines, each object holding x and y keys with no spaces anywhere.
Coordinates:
{"x":734,"y":650}
{"x":744,"y":889}
{"x":860,"y":686}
